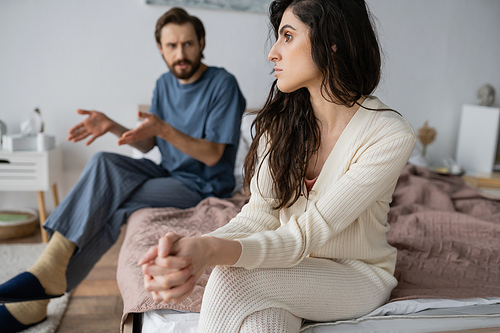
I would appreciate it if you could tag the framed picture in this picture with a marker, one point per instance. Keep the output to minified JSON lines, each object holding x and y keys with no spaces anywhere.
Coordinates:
{"x":257,"y":6}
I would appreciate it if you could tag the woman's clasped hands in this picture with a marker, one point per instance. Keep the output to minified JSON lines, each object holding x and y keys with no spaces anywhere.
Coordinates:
{"x":172,"y":268}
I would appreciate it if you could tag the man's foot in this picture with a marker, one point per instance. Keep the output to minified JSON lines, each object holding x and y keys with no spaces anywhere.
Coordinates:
{"x":10,"y":324}
{"x":46,"y":278}
{"x":50,"y":268}
{"x":23,"y":287}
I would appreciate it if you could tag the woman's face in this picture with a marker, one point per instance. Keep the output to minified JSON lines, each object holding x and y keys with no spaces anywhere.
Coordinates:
{"x":291,"y":53}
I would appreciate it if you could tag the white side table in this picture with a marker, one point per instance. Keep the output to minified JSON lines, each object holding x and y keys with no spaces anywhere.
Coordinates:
{"x":32,"y":171}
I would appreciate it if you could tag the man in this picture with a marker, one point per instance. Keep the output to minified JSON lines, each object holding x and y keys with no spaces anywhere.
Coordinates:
{"x":194,"y":120}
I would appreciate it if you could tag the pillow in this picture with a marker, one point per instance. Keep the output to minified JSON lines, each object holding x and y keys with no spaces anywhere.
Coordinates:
{"x":244,"y":145}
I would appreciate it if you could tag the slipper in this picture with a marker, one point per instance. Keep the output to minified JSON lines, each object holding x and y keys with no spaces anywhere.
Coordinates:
{"x":23,"y":287}
{"x":10,"y":324}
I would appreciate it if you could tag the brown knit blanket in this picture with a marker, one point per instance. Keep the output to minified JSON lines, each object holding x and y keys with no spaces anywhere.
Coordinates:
{"x":447,"y":236}
{"x":145,"y":227}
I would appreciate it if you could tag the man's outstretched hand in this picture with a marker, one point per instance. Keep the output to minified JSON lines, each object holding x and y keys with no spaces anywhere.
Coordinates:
{"x":150,"y":127}
{"x":95,"y":125}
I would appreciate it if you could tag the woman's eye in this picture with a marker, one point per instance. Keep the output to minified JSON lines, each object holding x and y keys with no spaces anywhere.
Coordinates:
{"x":288,"y":37}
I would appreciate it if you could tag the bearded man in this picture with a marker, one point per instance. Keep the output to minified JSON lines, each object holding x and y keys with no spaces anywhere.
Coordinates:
{"x":194,"y":119}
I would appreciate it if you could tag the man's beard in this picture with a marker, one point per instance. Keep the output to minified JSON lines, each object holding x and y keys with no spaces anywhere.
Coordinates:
{"x":183,"y":75}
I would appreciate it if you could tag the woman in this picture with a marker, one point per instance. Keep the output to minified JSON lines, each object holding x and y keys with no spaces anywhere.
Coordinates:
{"x":311,"y":243}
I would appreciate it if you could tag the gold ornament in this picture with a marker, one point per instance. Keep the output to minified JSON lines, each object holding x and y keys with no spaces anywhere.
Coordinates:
{"x":426,"y":136}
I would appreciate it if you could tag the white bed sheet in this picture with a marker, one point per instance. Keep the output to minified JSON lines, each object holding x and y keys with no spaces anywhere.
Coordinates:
{"x":410,"y":316}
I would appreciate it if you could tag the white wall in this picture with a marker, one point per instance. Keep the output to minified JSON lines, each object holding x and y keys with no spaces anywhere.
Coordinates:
{"x":60,"y":55}
{"x":438,"y":54}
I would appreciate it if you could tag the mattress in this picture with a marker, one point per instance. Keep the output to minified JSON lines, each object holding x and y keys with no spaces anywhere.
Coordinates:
{"x":409,"y":316}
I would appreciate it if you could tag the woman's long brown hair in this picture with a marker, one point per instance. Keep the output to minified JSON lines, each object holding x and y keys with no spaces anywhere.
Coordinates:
{"x":287,"y":120}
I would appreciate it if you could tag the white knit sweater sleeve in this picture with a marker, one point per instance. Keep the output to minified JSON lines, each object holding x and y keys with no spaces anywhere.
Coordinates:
{"x":268,"y":244}
{"x":367,"y":179}
{"x":370,"y":176}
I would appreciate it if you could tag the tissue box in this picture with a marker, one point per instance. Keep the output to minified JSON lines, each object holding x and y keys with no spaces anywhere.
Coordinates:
{"x":16,"y":142}
{"x":13,"y":142}
{"x":45,"y":142}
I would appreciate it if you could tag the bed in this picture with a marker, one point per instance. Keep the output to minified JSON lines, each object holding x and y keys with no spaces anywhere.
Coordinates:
{"x":448,"y":267}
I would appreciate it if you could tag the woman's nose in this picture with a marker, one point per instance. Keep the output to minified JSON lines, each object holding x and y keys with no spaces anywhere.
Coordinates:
{"x":273,"y":54}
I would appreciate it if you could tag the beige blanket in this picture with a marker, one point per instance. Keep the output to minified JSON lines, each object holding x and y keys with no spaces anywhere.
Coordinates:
{"x":447,"y":236}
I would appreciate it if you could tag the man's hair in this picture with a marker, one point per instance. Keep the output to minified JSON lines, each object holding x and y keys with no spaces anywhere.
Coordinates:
{"x":179,"y":16}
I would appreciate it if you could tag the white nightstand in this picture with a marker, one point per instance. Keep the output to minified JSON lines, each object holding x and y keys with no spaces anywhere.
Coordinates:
{"x":32,"y":171}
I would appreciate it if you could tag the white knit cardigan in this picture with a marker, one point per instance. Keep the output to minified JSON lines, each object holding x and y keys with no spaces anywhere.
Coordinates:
{"x":345,"y":213}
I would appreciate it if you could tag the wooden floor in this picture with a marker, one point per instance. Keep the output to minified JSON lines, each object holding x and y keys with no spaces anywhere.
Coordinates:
{"x":96,"y":305}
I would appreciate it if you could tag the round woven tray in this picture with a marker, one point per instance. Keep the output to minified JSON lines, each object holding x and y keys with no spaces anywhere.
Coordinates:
{"x":16,"y":223}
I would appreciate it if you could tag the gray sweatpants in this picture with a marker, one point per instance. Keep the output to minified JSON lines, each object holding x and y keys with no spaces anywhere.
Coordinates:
{"x":109,"y":190}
